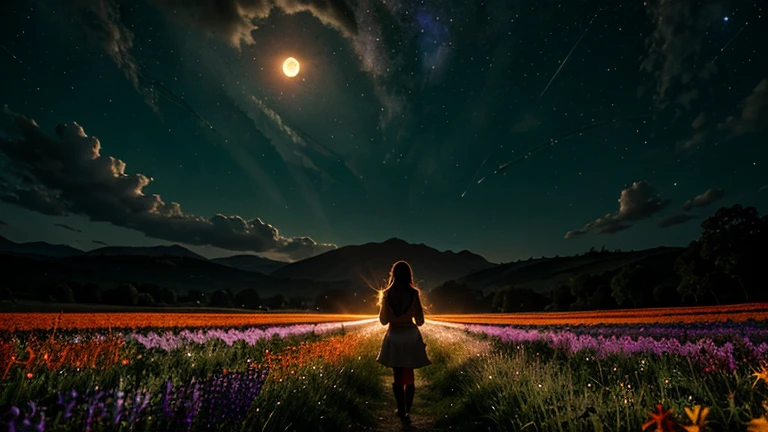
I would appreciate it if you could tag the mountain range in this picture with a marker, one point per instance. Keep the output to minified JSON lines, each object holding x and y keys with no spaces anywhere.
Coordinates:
{"x":356,"y":268}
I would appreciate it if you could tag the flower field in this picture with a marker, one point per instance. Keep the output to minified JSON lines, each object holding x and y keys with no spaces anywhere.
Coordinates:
{"x":317,"y":374}
{"x":81,"y":321}
{"x":657,"y":377}
{"x":191,"y":379}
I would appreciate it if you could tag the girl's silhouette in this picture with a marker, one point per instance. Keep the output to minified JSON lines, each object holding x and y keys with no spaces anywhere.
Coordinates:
{"x":403,"y":348}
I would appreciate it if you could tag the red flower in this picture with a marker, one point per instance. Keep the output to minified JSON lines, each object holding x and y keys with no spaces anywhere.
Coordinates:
{"x":661,"y":419}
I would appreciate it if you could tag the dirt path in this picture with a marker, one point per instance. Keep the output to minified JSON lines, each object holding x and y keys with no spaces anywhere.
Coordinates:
{"x":428,"y":404}
{"x":421,"y":417}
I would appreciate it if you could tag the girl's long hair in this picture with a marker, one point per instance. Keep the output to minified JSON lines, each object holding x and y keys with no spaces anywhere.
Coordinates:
{"x":400,"y":277}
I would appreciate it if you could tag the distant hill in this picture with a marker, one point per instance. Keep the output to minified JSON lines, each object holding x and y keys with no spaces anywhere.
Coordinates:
{"x":543,"y":274}
{"x":372,"y":261}
{"x":251,"y":263}
{"x":41,"y":249}
{"x":176,"y":251}
{"x":181,"y":273}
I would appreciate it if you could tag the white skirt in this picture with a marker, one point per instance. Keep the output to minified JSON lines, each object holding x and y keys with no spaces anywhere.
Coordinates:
{"x":403,"y":347}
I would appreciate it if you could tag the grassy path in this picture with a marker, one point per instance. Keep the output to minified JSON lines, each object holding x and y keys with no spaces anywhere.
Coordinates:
{"x":449,"y":349}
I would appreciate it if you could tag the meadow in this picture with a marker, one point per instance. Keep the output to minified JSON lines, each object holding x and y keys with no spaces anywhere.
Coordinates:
{"x":64,"y":373}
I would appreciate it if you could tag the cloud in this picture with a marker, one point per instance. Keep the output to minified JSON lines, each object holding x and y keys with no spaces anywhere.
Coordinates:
{"x":704,"y":199}
{"x":34,"y":198}
{"x":637,"y":202}
{"x":99,"y":242}
{"x":699,"y":135}
{"x":67,"y":227}
{"x":71,"y":172}
{"x":234,"y":20}
{"x":101,"y":21}
{"x":763,"y":189}
{"x":682,"y":216}
{"x":3,"y":223}
{"x":675,"y":219}
{"x":695,"y":140}
{"x":674,"y":47}
{"x":754,"y":114}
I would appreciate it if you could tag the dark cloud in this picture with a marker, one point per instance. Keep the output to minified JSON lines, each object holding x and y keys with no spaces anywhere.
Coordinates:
{"x":636,"y":202}
{"x":101,"y":21}
{"x":3,"y":223}
{"x":763,"y":189}
{"x":99,"y":242}
{"x":614,"y":228}
{"x":674,"y":47}
{"x":694,"y":141}
{"x":66,"y":227}
{"x":35,"y":198}
{"x":675,"y":219}
{"x":704,"y":199}
{"x":754,"y":113}
{"x":700,"y":134}
{"x":71,"y":171}
{"x":234,"y":20}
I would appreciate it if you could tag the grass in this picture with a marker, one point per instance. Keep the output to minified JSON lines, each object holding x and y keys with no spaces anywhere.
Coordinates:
{"x":311,"y":394}
{"x":525,"y":387}
{"x":474,"y":384}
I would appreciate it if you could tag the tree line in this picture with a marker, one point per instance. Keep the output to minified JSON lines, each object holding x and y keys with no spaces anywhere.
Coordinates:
{"x":724,"y":265}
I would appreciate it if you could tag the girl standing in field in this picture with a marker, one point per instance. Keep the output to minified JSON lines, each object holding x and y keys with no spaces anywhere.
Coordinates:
{"x":403,"y":348}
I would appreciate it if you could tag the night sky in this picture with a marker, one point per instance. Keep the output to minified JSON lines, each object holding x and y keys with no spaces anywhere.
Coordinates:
{"x":638,"y":120}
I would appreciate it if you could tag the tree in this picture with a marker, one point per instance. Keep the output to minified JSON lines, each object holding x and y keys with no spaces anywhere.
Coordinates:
{"x":601,"y":298}
{"x":510,"y":299}
{"x":632,"y":286}
{"x":195,"y":296}
{"x":221,"y":298}
{"x":725,"y":262}
{"x":454,"y":297}
{"x":562,"y":297}
{"x":582,"y":287}
{"x":666,"y":295}
{"x":277,"y":301}
{"x":61,"y":293}
{"x":161,"y":295}
{"x":124,"y":295}
{"x":87,"y":293}
{"x":248,"y":298}
{"x":700,"y":280}
{"x":145,"y":299}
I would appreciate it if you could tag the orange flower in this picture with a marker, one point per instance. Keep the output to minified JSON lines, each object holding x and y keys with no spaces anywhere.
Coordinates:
{"x":758,"y":425}
{"x":661,"y":419}
{"x":698,"y":417}
{"x":762,"y":374}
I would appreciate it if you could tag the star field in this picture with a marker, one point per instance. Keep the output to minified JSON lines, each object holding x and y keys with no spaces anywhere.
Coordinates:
{"x":520,"y":129}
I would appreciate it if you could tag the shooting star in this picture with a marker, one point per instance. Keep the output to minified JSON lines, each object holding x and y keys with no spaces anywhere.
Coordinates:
{"x":160,"y":89}
{"x":475,"y":176}
{"x":11,"y":54}
{"x":552,"y":141}
{"x":567,"y":57}
{"x":722,"y":50}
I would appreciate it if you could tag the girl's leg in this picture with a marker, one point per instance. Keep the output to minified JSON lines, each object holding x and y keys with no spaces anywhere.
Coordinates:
{"x":407,"y":375}
{"x":398,"y":390}
{"x":410,"y":389}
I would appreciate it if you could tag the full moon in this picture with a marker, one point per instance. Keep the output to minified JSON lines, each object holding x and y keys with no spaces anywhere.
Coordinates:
{"x":291,"y":67}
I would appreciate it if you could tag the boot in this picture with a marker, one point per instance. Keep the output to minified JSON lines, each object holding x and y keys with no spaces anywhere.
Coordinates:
{"x":397,"y":389}
{"x":409,"y":391}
